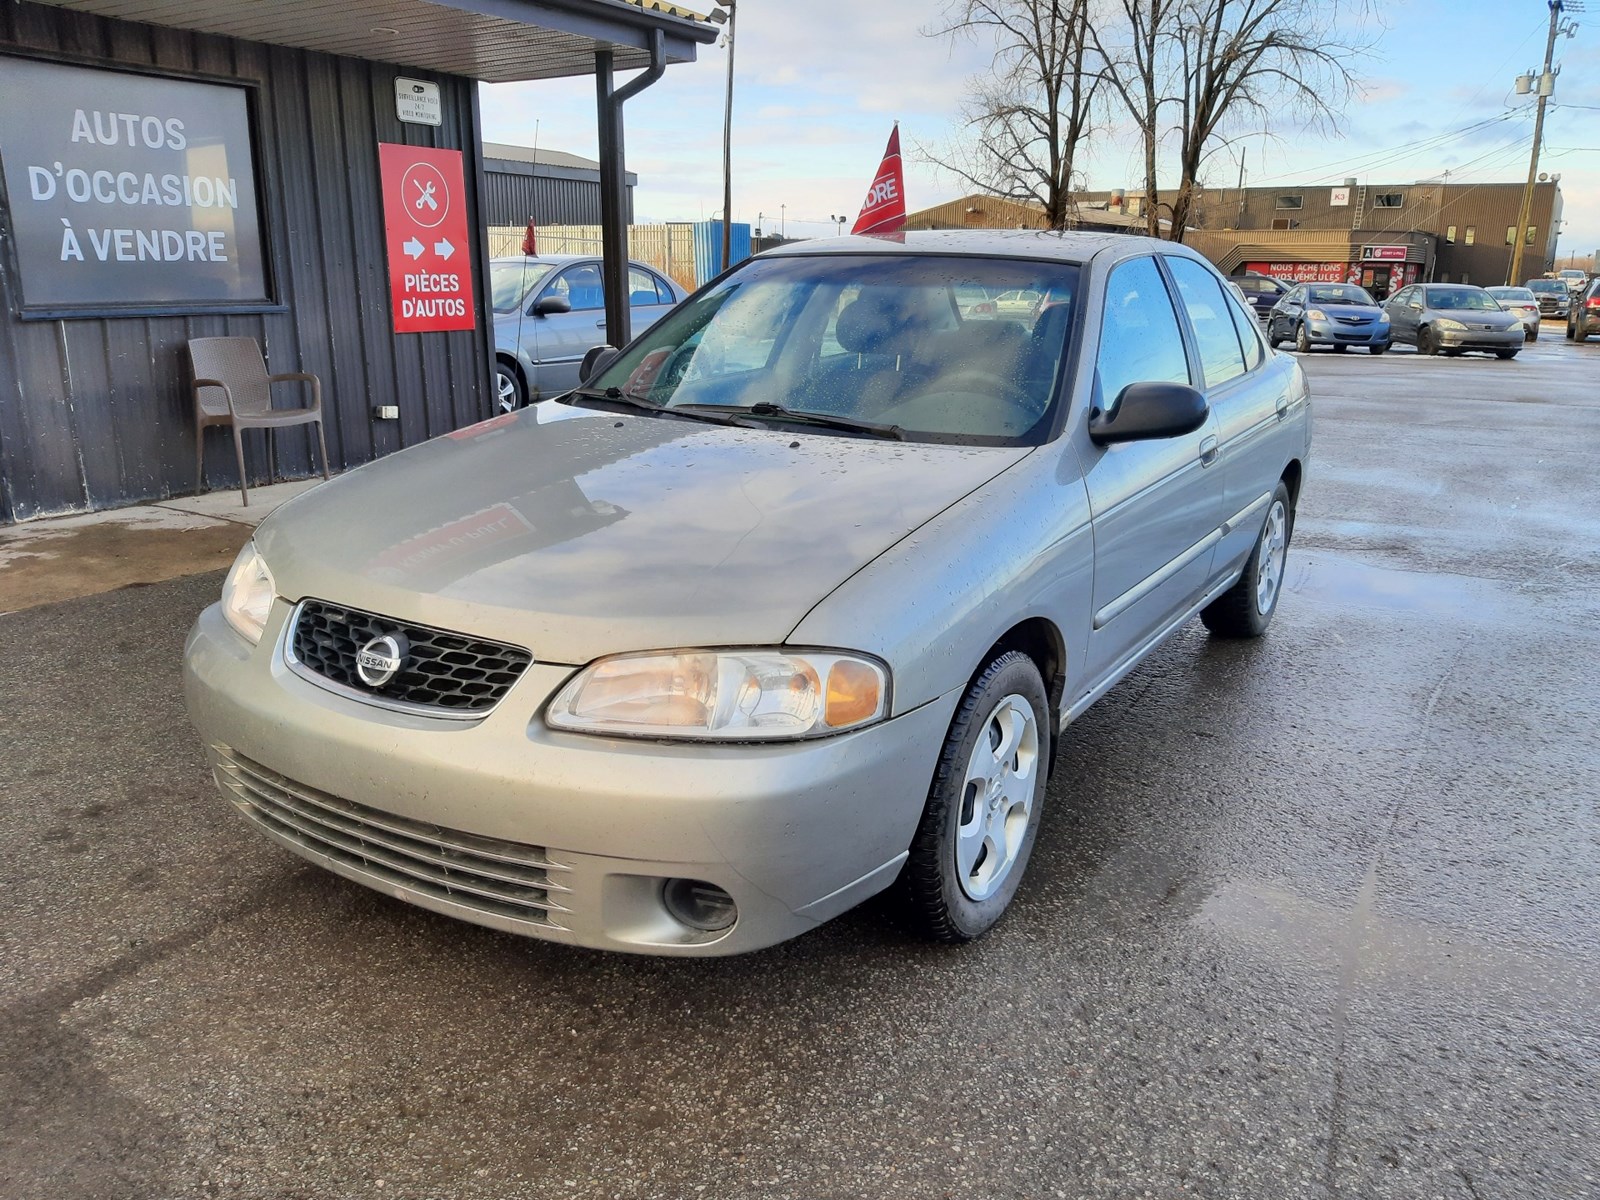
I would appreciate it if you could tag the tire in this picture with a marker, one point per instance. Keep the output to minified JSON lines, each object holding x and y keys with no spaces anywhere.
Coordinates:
{"x":1273,"y":339}
{"x":1302,"y":343}
{"x":1425,"y":342}
{"x":1533,"y":333}
{"x":1378,"y":349}
{"x":1580,"y":332}
{"x":955,"y":884}
{"x":1572,"y":333}
{"x":1340,"y":348}
{"x":1238,"y":612}
{"x":1505,"y":354}
{"x":509,"y":394}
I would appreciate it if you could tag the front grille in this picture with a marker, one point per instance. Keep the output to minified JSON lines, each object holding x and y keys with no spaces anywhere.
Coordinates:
{"x":508,"y":880}
{"x":449,"y":673}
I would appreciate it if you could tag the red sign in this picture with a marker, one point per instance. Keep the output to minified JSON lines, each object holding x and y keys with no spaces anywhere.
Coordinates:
{"x":430,"y":253}
{"x":1383,"y":253}
{"x":1302,"y":272}
{"x":884,"y":210}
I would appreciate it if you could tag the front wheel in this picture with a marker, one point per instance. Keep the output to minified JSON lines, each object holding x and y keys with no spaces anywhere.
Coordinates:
{"x":508,"y":393}
{"x":1378,"y":349}
{"x":1425,"y":341}
{"x":1302,"y":342}
{"x":1245,"y":610}
{"x":1505,"y":354}
{"x":982,"y":815}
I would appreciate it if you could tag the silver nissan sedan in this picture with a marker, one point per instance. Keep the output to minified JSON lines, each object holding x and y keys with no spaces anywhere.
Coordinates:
{"x":788,"y":603}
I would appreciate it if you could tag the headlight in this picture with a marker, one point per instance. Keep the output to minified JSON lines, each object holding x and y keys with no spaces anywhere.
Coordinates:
{"x":1316,"y":314}
{"x":247,"y":594}
{"x":1383,"y":317}
{"x":1447,"y":323}
{"x":723,"y":695}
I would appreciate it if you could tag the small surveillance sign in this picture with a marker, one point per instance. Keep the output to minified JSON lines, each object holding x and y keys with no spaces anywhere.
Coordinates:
{"x":417,"y":102}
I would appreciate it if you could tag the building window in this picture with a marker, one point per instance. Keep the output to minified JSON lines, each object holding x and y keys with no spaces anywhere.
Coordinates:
{"x":1472,"y":234}
{"x":1291,"y":201}
{"x":1445,"y":277}
{"x":1528,"y":240}
{"x":1388,"y":200}
{"x":1511,"y":234}
{"x":1450,"y":234}
{"x":1280,"y":222}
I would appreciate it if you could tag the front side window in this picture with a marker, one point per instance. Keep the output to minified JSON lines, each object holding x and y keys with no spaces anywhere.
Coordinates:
{"x":882,"y":339}
{"x":580,"y":286}
{"x":1220,"y":353}
{"x":1140,"y":340}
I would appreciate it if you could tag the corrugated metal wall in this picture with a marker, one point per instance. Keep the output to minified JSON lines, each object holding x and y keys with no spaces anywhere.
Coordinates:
{"x":512,"y":196}
{"x":96,"y":412}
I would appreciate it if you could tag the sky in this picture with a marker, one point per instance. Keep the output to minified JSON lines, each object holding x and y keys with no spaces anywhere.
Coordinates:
{"x":818,"y":84}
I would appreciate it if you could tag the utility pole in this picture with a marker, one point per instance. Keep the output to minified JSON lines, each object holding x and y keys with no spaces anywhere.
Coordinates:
{"x":1546,"y":85}
{"x":727,"y":136}
{"x":1245,"y":150}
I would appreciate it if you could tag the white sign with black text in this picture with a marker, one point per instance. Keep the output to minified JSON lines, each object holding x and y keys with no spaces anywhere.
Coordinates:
{"x":417,"y":102}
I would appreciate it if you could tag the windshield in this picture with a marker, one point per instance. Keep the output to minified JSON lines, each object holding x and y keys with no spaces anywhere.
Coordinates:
{"x":1511,"y":293}
{"x":1469,"y":298}
{"x":1554,"y":286}
{"x":510,"y":281}
{"x":886,"y":339}
{"x":1339,"y":294}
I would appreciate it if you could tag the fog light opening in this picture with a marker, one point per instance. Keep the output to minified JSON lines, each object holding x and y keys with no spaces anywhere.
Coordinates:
{"x":699,"y":905}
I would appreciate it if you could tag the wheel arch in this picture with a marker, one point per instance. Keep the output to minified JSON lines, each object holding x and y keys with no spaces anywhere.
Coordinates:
{"x":1292,"y":475}
{"x":1041,"y":640}
{"x":505,"y":358}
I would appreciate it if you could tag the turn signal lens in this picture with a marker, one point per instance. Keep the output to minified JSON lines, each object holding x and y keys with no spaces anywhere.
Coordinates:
{"x":247,"y":594}
{"x":855,"y":694}
{"x":723,"y":695}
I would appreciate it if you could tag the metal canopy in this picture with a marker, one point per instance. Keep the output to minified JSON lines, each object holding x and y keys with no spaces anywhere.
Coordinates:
{"x":496,"y":41}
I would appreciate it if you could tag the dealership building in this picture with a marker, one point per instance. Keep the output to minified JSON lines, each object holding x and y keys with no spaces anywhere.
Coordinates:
{"x":304,"y":174}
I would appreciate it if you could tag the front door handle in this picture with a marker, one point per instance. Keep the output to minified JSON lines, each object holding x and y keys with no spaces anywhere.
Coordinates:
{"x":1208,"y":451}
{"x":1283,"y":407}
{"x":599,"y":324}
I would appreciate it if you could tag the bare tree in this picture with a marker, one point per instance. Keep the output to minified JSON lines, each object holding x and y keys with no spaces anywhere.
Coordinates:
{"x":1134,"y":47}
{"x":1028,"y":119}
{"x":1246,"y":61}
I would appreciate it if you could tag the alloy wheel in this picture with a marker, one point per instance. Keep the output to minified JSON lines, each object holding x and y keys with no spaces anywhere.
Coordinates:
{"x":1274,"y":550}
{"x":997,"y":797}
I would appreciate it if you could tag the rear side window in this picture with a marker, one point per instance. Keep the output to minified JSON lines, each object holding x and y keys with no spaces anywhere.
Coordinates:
{"x":1140,"y":341}
{"x":1209,"y":313}
{"x":1249,"y":335}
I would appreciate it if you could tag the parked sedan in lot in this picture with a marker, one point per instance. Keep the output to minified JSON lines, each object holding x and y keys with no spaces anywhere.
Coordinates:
{"x":787,"y":604}
{"x":550,"y":310}
{"x":1521,"y":303}
{"x":1262,"y":291}
{"x":1451,"y":318}
{"x":1340,"y":315}
{"x":1554,"y":298}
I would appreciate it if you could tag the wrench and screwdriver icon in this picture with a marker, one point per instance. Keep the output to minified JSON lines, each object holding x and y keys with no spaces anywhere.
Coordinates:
{"x":426,"y":197}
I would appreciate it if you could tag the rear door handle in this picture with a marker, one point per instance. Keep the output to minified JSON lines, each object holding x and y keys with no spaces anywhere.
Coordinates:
{"x":599,"y":324}
{"x":1283,"y":407}
{"x":1208,"y":451}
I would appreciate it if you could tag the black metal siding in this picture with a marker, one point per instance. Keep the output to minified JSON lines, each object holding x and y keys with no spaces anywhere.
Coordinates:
{"x":513,"y":194}
{"x":96,"y":412}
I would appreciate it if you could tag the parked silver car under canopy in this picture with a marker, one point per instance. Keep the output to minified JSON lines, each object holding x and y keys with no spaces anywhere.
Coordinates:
{"x":788,"y":604}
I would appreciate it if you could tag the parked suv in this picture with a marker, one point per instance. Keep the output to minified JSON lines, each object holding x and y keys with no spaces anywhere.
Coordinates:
{"x":1555,"y":300}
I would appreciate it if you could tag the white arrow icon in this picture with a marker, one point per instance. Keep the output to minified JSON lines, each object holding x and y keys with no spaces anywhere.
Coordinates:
{"x":414,"y":248}
{"x":443,"y":248}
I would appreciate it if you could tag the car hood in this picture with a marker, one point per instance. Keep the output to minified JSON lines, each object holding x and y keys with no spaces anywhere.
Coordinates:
{"x":579,"y":533}
{"x":1367,"y":312}
{"x":1498,"y":319}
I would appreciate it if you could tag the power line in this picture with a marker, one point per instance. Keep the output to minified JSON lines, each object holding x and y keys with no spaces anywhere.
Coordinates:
{"x":1367,"y":163}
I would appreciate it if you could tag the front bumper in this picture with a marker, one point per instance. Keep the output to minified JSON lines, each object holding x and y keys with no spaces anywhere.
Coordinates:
{"x":1336,"y":333}
{"x":1482,"y":339}
{"x":558,"y":836}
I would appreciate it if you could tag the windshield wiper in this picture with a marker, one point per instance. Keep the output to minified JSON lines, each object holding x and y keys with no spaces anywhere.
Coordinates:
{"x":766,"y":408}
{"x":627,"y":400}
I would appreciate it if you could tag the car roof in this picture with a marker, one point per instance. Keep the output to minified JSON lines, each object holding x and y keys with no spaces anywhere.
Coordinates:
{"x":554,"y":259}
{"x":1073,"y":246}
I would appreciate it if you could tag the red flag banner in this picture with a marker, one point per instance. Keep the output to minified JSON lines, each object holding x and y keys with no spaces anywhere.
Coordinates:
{"x":885,"y":207}
{"x":530,"y":240}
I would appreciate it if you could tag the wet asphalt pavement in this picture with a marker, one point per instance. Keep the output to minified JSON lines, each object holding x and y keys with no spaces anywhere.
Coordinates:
{"x":1309,"y":917}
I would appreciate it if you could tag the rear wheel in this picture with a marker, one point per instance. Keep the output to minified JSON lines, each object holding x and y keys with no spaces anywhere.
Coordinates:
{"x":1245,"y":610}
{"x":982,"y":815}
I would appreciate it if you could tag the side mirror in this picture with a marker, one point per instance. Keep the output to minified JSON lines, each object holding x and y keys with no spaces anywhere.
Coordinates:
{"x":1149,"y":410}
{"x":546,"y":306}
{"x":597,"y":359}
